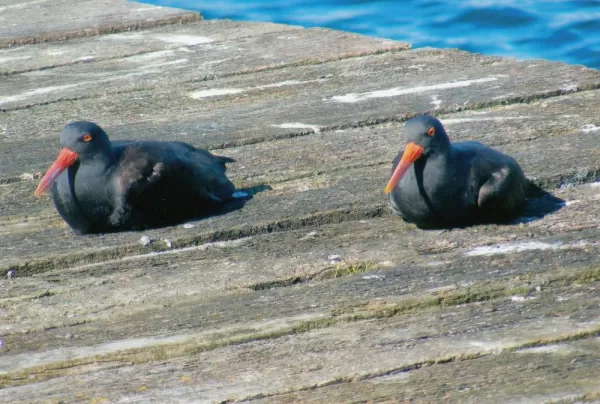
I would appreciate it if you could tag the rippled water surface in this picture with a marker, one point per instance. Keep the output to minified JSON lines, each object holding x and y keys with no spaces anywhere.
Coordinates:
{"x":568,"y":31}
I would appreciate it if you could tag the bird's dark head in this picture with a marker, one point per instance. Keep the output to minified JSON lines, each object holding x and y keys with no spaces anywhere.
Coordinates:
{"x":425,"y":135}
{"x":84,"y":138}
{"x":80,"y":140}
{"x":427,"y":132}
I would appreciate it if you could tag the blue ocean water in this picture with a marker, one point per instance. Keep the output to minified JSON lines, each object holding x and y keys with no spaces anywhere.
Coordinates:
{"x":563,"y":30}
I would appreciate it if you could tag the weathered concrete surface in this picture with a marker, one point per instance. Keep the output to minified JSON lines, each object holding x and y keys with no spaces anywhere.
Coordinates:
{"x":251,"y":305}
{"x":32,"y":21}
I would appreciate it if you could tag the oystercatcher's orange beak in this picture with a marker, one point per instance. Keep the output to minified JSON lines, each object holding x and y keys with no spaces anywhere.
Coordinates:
{"x":412,"y":152}
{"x":66,"y":158}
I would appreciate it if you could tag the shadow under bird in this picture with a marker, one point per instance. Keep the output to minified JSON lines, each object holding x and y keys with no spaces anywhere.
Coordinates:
{"x":439,"y":184}
{"x":102,"y":186}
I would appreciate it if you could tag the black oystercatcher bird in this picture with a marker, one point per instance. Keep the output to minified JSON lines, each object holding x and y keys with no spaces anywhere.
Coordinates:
{"x":101,"y":186}
{"x":438,"y":184}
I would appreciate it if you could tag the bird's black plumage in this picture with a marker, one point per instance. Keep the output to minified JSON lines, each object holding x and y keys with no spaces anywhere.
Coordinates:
{"x":439,"y":184}
{"x":101,"y":186}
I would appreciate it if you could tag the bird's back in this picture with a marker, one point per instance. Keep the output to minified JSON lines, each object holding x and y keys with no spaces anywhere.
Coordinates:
{"x":165,"y":182}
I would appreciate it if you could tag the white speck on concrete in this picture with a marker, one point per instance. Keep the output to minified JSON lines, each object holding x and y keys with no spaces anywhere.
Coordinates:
{"x":373,"y":277}
{"x":297,"y":125}
{"x":436,"y":101}
{"x":145,"y":240}
{"x":215,"y":92}
{"x":88,"y":58}
{"x":589,"y":128}
{"x":333,"y":258}
{"x":239,"y":195}
{"x":188,"y":226}
{"x":188,"y":40}
{"x":310,"y":235}
{"x":436,"y":263}
{"x":569,"y":88}
{"x":54,"y":53}
{"x":393,"y":92}
{"x":168,"y":242}
{"x":573,"y":202}
{"x":27,"y":177}
{"x":519,"y":299}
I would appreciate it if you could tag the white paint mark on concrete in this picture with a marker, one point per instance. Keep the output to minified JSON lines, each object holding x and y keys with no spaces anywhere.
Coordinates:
{"x":122,"y":37}
{"x":153,"y":7}
{"x":202,"y":247}
{"x":483,"y":119}
{"x":188,"y":226}
{"x":558,"y":348}
{"x":188,"y":40}
{"x":289,"y":83}
{"x":509,"y":248}
{"x":12,"y":363}
{"x":155,"y":65}
{"x":37,"y":91}
{"x":85,"y":58}
{"x":490,"y":346}
{"x":215,"y":92}
{"x":225,"y":91}
{"x":152,"y":55}
{"x":22,"y":4}
{"x":299,"y":125}
{"x":214,"y":62}
{"x":436,"y":101}
{"x":573,"y":202}
{"x":6,"y":59}
{"x":396,"y":91}
{"x":589,"y":128}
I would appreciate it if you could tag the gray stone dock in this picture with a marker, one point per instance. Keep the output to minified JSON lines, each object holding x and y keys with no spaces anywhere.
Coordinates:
{"x":313,"y":291}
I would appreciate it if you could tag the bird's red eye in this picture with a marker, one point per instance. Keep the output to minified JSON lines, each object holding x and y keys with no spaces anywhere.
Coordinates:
{"x":431,"y":131}
{"x":87,"y":137}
